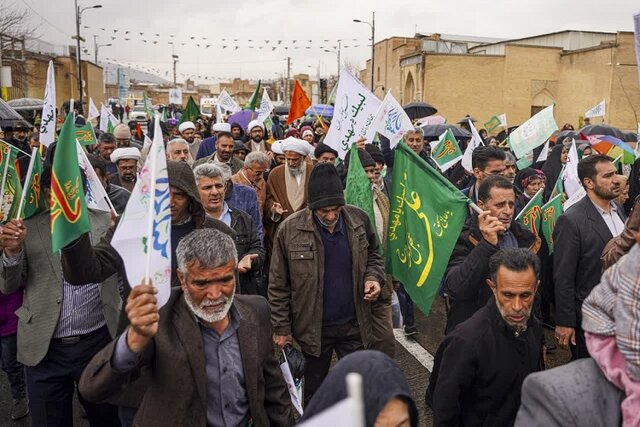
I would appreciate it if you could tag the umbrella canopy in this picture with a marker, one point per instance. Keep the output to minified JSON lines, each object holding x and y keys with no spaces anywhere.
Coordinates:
{"x":320,"y":110}
{"x":431,"y":120}
{"x":281,"y":110}
{"x":431,"y":131}
{"x":243,"y":118}
{"x":419,"y":109}
{"x":22,"y":104}
{"x":560,"y":136}
{"x":10,"y":117}
{"x":465,"y":120}
{"x":503,"y":134}
{"x":602,"y":129}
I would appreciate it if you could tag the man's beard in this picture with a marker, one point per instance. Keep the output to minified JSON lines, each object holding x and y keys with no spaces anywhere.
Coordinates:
{"x":256,"y":139}
{"x":606,"y":195}
{"x":520,"y":326}
{"x":328,"y":224}
{"x":295,"y":172}
{"x":201,"y":311}
{"x":128,"y":178}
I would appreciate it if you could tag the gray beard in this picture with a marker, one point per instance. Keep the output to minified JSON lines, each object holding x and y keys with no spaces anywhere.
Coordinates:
{"x":202,"y":313}
{"x":295,"y":172}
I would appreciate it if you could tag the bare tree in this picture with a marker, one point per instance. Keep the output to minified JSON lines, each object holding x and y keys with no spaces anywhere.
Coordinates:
{"x":353,"y":67}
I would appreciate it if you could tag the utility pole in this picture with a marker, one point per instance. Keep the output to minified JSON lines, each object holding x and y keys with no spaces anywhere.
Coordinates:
{"x":373,"y":47}
{"x":288,"y":77}
{"x":78,"y":54}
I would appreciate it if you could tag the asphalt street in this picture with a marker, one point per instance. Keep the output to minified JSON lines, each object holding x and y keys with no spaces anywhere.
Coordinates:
{"x":431,"y":333}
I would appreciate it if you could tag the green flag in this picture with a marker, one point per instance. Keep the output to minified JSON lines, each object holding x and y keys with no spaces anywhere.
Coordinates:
{"x":525,"y":162}
{"x":164,"y":115}
{"x":11,"y":189}
{"x":446,"y":152}
{"x":550,"y":213}
{"x":358,"y":191}
{"x":85,"y":135}
{"x":531,"y":215}
{"x":252,"y":103}
{"x":426,"y":216}
{"x":558,"y":187}
{"x":34,"y":199}
{"x":109,"y":127}
{"x":69,"y":217}
{"x":492,"y":124}
{"x":191,"y":112}
{"x":147,"y":105}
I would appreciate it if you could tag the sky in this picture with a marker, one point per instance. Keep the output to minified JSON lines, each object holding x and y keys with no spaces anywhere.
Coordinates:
{"x":256,"y":33}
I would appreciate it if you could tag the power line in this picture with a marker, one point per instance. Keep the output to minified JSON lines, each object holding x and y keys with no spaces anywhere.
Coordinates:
{"x":45,"y":19}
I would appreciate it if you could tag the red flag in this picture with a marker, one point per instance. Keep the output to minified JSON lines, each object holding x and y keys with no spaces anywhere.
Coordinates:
{"x":299,"y":103}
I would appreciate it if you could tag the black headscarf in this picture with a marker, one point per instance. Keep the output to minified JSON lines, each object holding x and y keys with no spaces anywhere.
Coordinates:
{"x":552,"y":168}
{"x":382,"y":380}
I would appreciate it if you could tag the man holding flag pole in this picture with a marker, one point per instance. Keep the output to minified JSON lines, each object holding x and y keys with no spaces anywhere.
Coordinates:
{"x":61,"y":325}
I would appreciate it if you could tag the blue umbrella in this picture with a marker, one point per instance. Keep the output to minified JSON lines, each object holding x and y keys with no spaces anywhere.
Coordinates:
{"x":243,"y":118}
{"x":320,"y":110}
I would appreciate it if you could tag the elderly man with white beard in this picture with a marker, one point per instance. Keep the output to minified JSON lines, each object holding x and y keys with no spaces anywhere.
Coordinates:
{"x":210,"y":350}
{"x":287,"y":185}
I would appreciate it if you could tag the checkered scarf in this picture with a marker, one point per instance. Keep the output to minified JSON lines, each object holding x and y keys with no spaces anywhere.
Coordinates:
{"x":613,"y":308}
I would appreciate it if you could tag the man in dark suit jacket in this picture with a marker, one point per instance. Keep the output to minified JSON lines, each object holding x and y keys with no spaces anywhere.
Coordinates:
{"x":579,"y":238}
{"x":210,"y":351}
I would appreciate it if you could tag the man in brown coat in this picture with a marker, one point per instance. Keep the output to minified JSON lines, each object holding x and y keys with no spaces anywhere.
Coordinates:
{"x":210,"y":350}
{"x":326,"y":275}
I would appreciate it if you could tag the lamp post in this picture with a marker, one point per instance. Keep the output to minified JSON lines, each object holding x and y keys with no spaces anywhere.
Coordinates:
{"x":175,"y":61}
{"x":79,"y":11}
{"x":372,"y":24}
{"x":337,"y":52}
{"x":97,"y":46}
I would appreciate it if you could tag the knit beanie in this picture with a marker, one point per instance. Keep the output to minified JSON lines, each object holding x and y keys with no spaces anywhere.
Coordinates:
{"x":325,"y":187}
{"x":375,"y":152}
{"x":323,"y":148}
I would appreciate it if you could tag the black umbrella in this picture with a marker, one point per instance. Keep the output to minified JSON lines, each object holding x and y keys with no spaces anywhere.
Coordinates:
{"x":416,"y":110}
{"x":560,"y":136}
{"x":465,"y":120}
{"x":10,"y":117}
{"x":503,"y":134}
{"x":281,"y":110}
{"x":602,"y":129}
{"x":431,"y":131}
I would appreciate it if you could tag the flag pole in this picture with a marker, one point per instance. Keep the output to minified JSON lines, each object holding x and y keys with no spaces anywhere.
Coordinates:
{"x":4,"y":174}
{"x":354,"y":391}
{"x":13,"y":147}
{"x":475,"y":207}
{"x":27,"y":182}
{"x":151,"y":216}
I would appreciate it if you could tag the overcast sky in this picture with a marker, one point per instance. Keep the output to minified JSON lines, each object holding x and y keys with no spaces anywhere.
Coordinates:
{"x":307,"y":22}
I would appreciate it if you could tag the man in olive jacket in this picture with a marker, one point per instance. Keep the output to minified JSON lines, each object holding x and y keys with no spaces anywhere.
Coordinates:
{"x":325,"y":276}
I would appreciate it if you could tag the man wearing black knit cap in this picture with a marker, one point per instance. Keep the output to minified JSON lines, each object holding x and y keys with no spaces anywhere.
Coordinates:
{"x":325,"y":275}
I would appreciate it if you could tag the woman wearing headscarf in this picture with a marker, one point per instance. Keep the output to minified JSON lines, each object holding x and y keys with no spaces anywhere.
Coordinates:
{"x":584,"y":150}
{"x":527,"y":183}
{"x":553,"y":167}
{"x":386,"y":394}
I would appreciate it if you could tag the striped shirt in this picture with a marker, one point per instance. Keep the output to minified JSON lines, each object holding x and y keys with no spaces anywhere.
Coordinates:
{"x":81,"y":310}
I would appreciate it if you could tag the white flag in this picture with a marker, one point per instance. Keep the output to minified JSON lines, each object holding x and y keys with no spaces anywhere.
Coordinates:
{"x":266,"y":107}
{"x":226,"y":101}
{"x":571,"y":181}
{"x":544,"y":153}
{"x":218,"y":113}
{"x":474,"y":142}
{"x":503,"y":119}
{"x":597,"y":111}
{"x":48,"y":120}
{"x":143,"y":236}
{"x":577,"y":196}
{"x":354,"y":111}
{"x":93,"y":110}
{"x":105,"y":117}
{"x":391,"y":120}
{"x":294,"y":392}
{"x":96,"y":196}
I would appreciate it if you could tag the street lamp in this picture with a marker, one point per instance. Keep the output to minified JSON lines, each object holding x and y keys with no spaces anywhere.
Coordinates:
{"x":79,"y":11}
{"x":97,"y":46}
{"x":337,"y":52}
{"x":372,"y":24}
{"x":175,"y":61}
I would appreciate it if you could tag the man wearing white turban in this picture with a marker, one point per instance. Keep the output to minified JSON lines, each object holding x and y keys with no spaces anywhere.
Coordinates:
{"x":256,"y":132}
{"x":126,"y":161}
{"x":287,"y":185}
{"x":188,"y":133}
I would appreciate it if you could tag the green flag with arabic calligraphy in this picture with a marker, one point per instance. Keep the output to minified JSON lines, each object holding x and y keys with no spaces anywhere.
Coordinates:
{"x":446,"y":152}
{"x":531,"y":215}
{"x":11,"y":189}
{"x":426,"y":216}
{"x":85,"y":135}
{"x":34,"y":199}
{"x":358,"y":190}
{"x":550,"y":213}
{"x":69,"y":216}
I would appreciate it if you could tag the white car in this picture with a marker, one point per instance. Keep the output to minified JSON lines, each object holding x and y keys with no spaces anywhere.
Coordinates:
{"x":138,"y":113}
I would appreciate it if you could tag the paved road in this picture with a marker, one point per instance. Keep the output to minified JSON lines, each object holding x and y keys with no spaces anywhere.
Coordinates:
{"x":430,"y":327}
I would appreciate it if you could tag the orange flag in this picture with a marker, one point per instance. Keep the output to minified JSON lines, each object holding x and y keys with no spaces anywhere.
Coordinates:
{"x":299,"y":103}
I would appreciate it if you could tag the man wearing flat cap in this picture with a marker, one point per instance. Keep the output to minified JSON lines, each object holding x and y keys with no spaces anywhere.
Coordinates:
{"x":325,"y":276}
{"x":188,"y":133}
{"x":126,"y":161}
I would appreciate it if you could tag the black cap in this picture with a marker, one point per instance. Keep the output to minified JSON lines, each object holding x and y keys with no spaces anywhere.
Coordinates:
{"x":323,"y":148}
{"x":325,"y":187}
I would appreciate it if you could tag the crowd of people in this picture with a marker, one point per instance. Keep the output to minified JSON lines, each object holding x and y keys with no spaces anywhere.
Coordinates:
{"x":268,"y":257}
